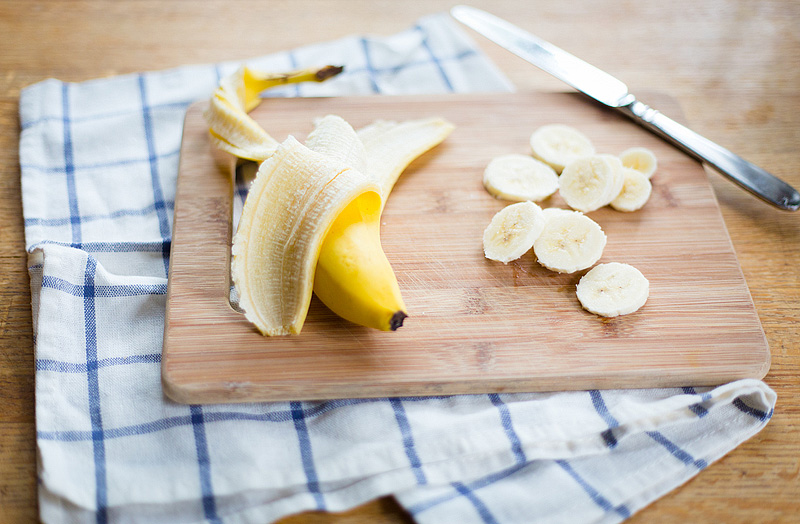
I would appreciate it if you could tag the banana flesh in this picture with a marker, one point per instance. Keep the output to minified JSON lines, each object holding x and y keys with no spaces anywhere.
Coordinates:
{"x":613,"y":289}
{"x":559,"y":144}
{"x":591,"y":182}
{"x":519,"y":178}
{"x":641,"y":159}
{"x":569,"y":242}
{"x":635,"y":193}
{"x":311,"y":220}
{"x":513,"y":231}
{"x":587,"y":181}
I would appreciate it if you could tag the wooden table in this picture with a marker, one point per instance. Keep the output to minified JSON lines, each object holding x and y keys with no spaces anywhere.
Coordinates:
{"x":734,"y":66}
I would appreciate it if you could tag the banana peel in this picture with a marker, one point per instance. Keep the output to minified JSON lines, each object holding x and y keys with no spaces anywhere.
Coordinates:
{"x":231,"y":128}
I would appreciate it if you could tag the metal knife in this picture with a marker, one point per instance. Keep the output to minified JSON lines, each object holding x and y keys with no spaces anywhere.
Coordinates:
{"x":609,"y":91}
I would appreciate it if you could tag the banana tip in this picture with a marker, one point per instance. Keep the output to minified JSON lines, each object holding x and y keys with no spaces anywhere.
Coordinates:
{"x":328,"y":71}
{"x":397,"y":320}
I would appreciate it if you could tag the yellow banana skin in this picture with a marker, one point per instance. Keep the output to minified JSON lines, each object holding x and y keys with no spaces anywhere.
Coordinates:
{"x":353,"y":276}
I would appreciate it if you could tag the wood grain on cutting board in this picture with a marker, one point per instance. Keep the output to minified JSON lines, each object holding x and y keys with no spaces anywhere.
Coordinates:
{"x":475,"y":325}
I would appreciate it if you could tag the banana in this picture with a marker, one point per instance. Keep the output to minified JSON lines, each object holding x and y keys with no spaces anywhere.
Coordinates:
{"x":559,"y":144}
{"x":591,"y":182}
{"x":353,"y":276}
{"x":512,"y":231}
{"x":292,"y":203}
{"x":569,"y":242}
{"x":613,"y":289}
{"x":311,"y":219}
{"x":635,"y":192}
{"x":519,"y":178}
{"x":641,"y":159}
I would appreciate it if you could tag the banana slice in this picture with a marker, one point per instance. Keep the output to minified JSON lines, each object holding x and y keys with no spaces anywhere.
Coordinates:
{"x":641,"y":159}
{"x":519,"y":178}
{"x":513,"y":231}
{"x":635,"y":191}
{"x":591,"y":182}
{"x":569,"y":242}
{"x":559,"y":144}
{"x":613,"y":289}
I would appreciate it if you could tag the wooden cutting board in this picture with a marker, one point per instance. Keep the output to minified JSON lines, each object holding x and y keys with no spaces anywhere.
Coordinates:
{"x":475,"y":325}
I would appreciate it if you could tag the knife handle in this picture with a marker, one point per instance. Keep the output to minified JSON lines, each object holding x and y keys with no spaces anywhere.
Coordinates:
{"x":751,"y":177}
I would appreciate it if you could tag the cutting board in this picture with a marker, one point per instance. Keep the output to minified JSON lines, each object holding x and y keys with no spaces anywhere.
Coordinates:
{"x":475,"y":325}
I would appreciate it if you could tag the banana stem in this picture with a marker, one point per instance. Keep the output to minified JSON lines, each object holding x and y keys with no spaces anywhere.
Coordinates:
{"x":316,"y":74}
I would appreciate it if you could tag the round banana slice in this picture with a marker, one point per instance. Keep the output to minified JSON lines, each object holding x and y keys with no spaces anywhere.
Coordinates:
{"x":591,"y":182}
{"x":641,"y":159}
{"x":635,"y":191}
{"x":519,"y":178}
{"x":559,"y":144}
{"x":613,"y":289}
{"x":512,"y":231}
{"x":569,"y":242}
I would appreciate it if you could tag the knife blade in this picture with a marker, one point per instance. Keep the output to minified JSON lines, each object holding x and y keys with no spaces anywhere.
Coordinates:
{"x":611,"y":92}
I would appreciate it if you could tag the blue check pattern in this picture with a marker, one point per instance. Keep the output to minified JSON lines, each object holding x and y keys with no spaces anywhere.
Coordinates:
{"x":99,"y":163}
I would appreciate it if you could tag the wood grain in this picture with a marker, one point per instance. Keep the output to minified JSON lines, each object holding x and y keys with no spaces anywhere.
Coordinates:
{"x":734,"y":66}
{"x":475,"y":326}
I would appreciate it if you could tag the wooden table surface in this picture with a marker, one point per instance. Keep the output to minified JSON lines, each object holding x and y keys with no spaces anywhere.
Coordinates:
{"x":734,"y":66}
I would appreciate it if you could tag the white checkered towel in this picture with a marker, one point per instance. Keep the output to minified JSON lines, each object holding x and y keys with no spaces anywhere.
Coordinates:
{"x":99,"y":162}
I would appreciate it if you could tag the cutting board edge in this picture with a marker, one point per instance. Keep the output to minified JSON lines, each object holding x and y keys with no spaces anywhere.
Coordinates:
{"x":234,"y":392}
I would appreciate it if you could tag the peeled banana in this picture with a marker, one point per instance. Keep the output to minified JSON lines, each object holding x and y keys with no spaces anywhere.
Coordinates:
{"x":311,"y":219}
{"x":293,"y":201}
{"x":353,"y":277}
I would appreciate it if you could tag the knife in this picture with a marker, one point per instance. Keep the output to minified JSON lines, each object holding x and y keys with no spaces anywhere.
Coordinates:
{"x":613,"y":93}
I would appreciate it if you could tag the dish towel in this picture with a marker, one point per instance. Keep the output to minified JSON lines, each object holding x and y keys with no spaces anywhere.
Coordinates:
{"x":99,"y":163}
